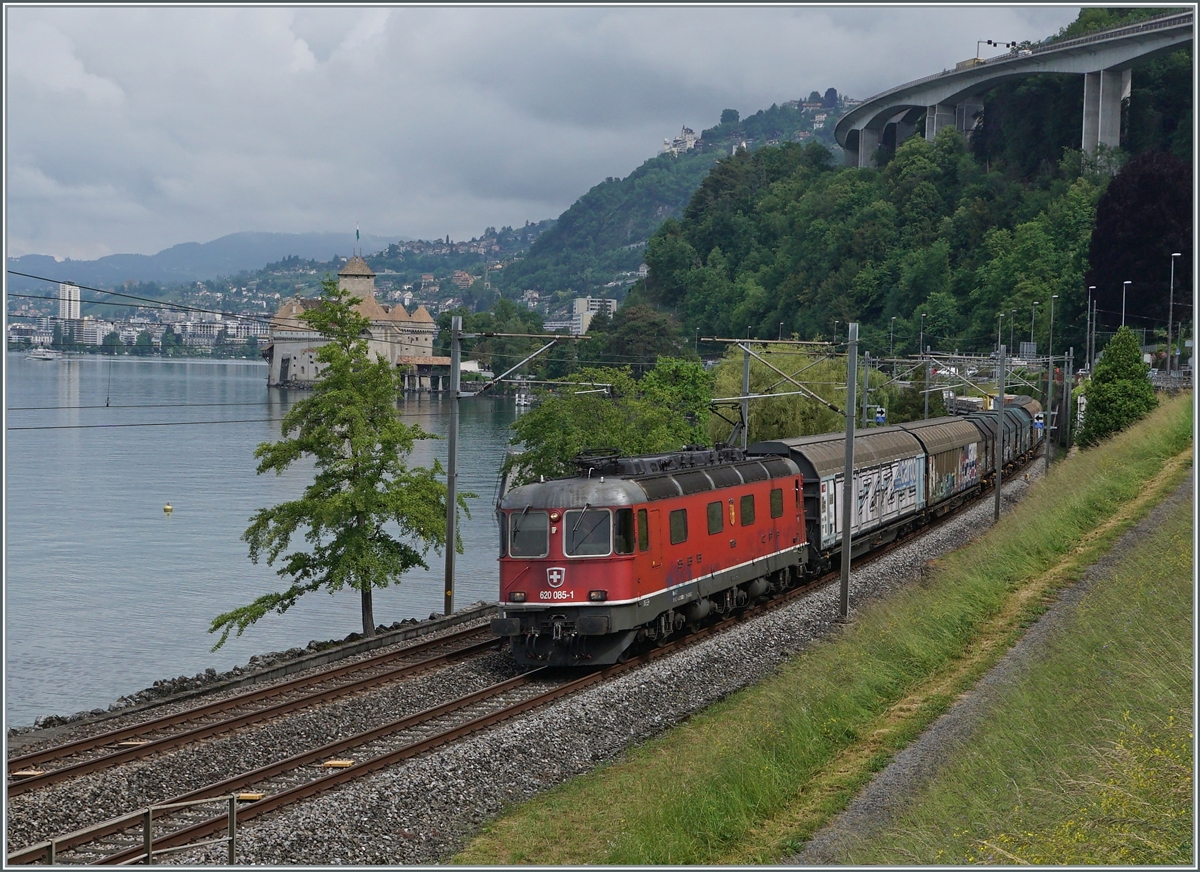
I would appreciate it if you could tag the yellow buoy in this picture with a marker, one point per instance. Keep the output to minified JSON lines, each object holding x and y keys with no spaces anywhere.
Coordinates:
{"x":167,"y":509}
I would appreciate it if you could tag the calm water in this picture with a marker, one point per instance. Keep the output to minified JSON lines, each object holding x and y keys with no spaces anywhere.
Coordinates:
{"x":104,"y":593}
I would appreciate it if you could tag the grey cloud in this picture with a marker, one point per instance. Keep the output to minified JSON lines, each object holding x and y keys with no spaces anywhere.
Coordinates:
{"x":131,"y":129}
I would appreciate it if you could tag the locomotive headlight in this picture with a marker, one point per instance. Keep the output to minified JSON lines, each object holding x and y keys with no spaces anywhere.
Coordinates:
{"x":597,"y":596}
{"x":516,"y":596}
{"x":554,"y":516}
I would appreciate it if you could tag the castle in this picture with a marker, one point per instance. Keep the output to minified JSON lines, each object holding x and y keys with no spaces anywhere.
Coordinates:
{"x":404,"y":340}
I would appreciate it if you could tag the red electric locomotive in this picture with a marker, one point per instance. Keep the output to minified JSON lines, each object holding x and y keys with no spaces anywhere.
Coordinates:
{"x":634,"y":549}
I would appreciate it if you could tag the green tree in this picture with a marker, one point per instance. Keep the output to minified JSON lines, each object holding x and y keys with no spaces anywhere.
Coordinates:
{"x":112,"y":344}
{"x":1119,"y":393}
{"x":666,"y":410}
{"x":144,"y":344}
{"x":367,"y":516}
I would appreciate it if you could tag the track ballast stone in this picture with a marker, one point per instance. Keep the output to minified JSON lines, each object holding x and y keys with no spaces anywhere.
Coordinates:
{"x":423,"y":811}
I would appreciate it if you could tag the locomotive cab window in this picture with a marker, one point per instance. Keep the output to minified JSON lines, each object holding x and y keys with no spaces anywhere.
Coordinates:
{"x":747,"y":508}
{"x":623,"y":532}
{"x":678,"y":526}
{"x":777,"y":502}
{"x":503,"y":534}
{"x":529,"y":534}
{"x":643,"y":530}
{"x":716,"y":518}
{"x":587,"y":533}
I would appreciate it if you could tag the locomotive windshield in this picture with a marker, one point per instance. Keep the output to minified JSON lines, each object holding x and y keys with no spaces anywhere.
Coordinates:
{"x":588,"y":533}
{"x":529,"y":534}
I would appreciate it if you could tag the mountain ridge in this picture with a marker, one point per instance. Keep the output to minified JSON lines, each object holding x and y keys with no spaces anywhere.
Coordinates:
{"x":190,"y":261}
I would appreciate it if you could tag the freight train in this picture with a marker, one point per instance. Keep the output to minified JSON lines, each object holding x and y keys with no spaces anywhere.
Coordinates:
{"x":638,"y":550}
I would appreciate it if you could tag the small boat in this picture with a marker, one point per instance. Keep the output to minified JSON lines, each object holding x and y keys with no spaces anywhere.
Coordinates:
{"x":524,"y":398}
{"x":44,"y":354}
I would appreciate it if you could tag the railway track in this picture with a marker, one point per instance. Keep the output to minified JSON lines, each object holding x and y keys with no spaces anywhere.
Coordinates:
{"x":279,"y":784}
{"x":122,"y":840}
{"x":47,"y":766}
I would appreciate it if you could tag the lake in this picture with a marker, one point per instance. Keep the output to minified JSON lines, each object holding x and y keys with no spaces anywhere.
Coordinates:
{"x":105,"y":593}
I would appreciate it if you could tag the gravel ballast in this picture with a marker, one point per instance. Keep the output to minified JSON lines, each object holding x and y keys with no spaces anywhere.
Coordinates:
{"x":423,"y":811}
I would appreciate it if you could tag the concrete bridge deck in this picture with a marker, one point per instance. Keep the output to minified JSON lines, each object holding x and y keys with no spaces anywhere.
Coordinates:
{"x":1105,"y":59}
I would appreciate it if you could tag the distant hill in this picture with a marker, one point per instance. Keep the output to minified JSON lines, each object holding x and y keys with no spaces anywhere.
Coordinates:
{"x":596,"y":246}
{"x":191,"y":261}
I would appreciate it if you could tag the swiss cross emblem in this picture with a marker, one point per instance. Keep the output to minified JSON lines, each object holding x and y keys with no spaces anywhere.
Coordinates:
{"x":555,"y":576}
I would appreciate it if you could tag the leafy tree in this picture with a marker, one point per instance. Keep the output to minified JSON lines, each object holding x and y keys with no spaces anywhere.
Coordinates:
{"x":666,"y":410}
{"x":729,"y":116}
{"x":367,"y":516}
{"x":144,"y":344}
{"x":1119,"y":393}
{"x":112,"y":344}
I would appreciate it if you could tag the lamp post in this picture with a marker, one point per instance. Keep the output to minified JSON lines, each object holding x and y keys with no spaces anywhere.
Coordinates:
{"x":1124,"y":288}
{"x":999,"y":327}
{"x":892,"y":344}
{"x":1050,"y":384}
{"x":835,"y":323}
{"x":1171,"y":309}
{"x":926,"y":366}
{"x":1088,"y":335}
{"x":781,"y":331}
{"x":1032,"y":317}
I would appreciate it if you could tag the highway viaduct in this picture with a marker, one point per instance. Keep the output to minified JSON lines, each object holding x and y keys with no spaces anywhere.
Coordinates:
{"x":1105,"y":60}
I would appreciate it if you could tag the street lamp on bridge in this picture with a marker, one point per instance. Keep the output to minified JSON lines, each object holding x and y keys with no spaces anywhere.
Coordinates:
{"x":1124,"y":288}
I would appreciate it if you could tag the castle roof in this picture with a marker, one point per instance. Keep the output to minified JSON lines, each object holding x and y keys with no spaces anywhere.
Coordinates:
{"x":356,"y":266}
{"x":422,"y":315}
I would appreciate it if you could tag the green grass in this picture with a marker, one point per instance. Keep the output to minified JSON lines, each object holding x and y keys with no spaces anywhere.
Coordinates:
{"x":750,"y":779}
{"x":1088,"y":759}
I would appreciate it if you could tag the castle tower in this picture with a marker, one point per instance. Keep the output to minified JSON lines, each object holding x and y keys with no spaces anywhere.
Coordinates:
{"x":357,"y":279}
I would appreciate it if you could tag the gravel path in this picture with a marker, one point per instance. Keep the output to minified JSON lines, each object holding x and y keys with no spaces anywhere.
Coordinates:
{"x":423,"y":811}
{"x":890,"y":790}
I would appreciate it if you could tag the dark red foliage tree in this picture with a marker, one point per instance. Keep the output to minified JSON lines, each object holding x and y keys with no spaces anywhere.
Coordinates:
{"x":1144,"y":216}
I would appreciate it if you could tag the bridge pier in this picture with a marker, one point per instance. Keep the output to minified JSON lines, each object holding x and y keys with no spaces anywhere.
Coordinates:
{"x":1103,"y":92}
{"x":937,"y":117}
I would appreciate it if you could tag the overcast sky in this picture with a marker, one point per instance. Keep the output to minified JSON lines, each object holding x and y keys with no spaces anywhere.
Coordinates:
{"x":129,"y":130}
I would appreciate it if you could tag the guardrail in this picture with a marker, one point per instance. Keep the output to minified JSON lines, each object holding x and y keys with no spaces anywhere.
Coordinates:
{"x":48,"y":851}
{"x":1159,"y":23}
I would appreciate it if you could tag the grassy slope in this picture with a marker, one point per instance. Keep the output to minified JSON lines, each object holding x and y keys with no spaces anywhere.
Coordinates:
{"x":1088,"y":759}
{"x":748,"y":780}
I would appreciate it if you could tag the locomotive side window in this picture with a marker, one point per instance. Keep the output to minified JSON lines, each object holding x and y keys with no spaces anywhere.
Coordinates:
{"x":747,"y":510}
{"x":643,"y":530}
{"x":587,"y":533}
{"x":503,"y":534}
{"x":678,"y":526}
{"x":623,"y":532}
{"x":529,"y":534}
{"x":777,"y":502}
{"x":716,"y":518}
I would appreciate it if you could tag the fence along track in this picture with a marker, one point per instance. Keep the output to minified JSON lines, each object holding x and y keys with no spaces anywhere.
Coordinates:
{"x":146,"y":747}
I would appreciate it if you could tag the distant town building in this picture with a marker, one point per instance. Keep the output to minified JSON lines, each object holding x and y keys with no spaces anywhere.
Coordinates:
{"x":462,"y":279}
{"x":68,"y":301}
{"x":584,"y":309}
{"x":685,"y":141}
{"x":404,"y":340}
